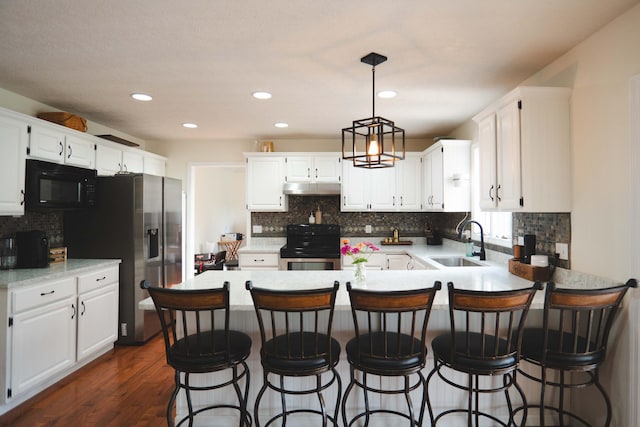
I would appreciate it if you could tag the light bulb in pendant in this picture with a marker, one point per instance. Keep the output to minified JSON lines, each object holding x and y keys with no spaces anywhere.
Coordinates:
{"x":374,"y":148}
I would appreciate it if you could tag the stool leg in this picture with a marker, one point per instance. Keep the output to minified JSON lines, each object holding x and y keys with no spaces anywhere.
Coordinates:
{"x":424,"y":398}
{"x":346,"y":395}
{"x":543,"y":383}
{"x":258,"y":398}
{"x":408,"y":399}
{"x":284,"y":402}
{"x":172,"y":399}
{"x":366,"y":399}
{"x":188,"y":393}
{"x":605,"y":396}
{"x":323,"y":408}
{"x":337,"y":409}
{"x":561,"y":404}
{"x":436,"y":366}
{"x":470,"y":402}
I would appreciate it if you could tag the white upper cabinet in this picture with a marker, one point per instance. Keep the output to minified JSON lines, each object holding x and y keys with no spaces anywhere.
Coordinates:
{"x":525,"y":151}
{"x":313,"y":168}
{"x":409,"y":184}
{"x":368,"y":189}
{"x":112,"y":158}
{"x":154,"y":164}
{"x":56,"y":144}
{"x":446,"y":170}
{"x":265,"y":178}
{"x":13,"y":139}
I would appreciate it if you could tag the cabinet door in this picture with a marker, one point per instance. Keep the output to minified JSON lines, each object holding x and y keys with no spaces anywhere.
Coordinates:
{"x":14,"y":137}
{"x":408,"y":175}
{"x":132,"y":162}
{"x":265,"y":176}
{"x":79,"y":152}
{"x":108,"y":160}
{"x":298,"y":169}
{"x":488,"y":180}
{"x":382,"y":189}
{"x":509,"y":191}
{"x":327,"y":168}
{"x":433,"y":180}
{"x":355,"y":188}
{"x":43,"y":343}
{"x":97,"y":320}
{"x":399,"y":262}
{"x":46,"y":144}
{"x":154,"y":165}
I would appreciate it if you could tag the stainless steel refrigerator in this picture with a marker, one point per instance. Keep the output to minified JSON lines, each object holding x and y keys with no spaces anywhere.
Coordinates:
{"x":138,"y":219}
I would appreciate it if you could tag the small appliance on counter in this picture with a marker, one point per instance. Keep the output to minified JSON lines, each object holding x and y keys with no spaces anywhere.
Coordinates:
{"x":8,"y":253}
{"x":32,"y":249}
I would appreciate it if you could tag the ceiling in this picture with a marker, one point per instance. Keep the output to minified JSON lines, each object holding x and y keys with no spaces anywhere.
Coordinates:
{"x":202,"y":59}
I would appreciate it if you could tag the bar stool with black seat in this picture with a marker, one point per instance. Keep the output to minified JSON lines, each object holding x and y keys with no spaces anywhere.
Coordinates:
{"x":390,"y":331}
{"x":573,"y":339}
{"x":295,"y":330}
{"x":197,"y":338}
{"x":484,"y":340}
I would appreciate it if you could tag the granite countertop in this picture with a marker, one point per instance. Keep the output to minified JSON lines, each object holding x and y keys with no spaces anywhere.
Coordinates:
{"x":29,"y":276}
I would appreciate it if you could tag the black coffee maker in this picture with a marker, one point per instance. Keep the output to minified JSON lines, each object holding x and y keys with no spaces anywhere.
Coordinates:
{"x":33,"y":249}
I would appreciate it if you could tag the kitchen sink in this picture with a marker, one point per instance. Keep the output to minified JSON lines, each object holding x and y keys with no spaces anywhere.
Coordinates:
{"x":458,"y":261}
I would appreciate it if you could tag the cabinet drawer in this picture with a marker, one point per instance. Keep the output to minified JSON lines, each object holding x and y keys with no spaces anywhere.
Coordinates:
{"x":46,"y":293}
{"x":258,"y":260}
{"x":97,"y":279}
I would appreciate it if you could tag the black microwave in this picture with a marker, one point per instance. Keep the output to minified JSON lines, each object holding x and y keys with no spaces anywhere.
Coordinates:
{"x":54,"y":186}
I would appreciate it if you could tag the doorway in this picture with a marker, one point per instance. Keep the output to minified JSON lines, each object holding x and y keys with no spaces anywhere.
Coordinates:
{"x":217,"y":195}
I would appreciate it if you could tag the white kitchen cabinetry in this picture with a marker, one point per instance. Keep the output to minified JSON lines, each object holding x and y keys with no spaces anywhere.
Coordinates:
{"x":54,"y":326}
{"x":53,"y":143}
{"x":368,"y":189}
{"x":525,"y":151}
{"x":399,"y":262}
{"x":408,"y":184}
{"x":316,"y":168}
{"x":111,"y":159}
{"x":154,"y":164}
{"x":446,"y":168}
{"x":14,"y":136}
{"x":43,"y":333}
{"x":258,"y":261}
{"x":97,"y":311}
{"x":265,"y":179}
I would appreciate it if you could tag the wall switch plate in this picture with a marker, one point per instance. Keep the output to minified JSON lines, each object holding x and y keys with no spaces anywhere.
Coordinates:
{"x":257,"y":229}
{"x":562,"y":249}
{"x":521,"y":241}
{"x":367,"y":229}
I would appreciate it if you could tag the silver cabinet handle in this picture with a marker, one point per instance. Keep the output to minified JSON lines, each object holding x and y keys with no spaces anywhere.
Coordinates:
{"x":491,"y":193}
{"x":498,"y":193}
{"x":61,"y":148}
{"x":70,"y":151}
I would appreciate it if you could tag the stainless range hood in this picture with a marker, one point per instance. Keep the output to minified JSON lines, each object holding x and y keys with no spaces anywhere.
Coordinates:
{"x":311,"y":189}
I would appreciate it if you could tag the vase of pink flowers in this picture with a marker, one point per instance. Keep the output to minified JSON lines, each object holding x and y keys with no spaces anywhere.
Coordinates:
{"x":359,"y":254}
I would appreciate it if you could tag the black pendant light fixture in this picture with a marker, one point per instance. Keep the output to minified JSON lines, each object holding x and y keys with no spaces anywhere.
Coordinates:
{"x":371,"y":143}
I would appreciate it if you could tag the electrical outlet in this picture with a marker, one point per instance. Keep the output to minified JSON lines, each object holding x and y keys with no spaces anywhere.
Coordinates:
{"x":257,"y":229}
{"x":367,"y":229}
{"x":562,"y":249}
{"x":521,"y":241}
{"x":123,"y":329}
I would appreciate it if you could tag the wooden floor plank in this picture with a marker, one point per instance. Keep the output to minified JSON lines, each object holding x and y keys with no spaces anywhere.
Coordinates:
{"x":129,"y":386}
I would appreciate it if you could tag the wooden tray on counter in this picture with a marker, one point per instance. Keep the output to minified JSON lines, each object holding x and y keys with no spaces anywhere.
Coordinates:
{"x":400,"y":242}
{"x":528,"y":271}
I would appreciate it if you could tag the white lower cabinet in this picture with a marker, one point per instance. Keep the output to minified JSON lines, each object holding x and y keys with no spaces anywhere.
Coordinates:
{"x":258,"y":261}
{"x":97,"y":319}
{"x":43,"y":334}
{"x":54,"y":327}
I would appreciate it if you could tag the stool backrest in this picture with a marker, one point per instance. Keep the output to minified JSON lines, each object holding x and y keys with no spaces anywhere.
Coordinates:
{"x":488,"y":325}
{"x":188,"y":316}
{"x":577,"y":322}
{"x":300,"y":320}
{"x":379,"y":317}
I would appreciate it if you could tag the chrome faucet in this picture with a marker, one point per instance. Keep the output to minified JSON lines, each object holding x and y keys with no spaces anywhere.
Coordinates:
{"x":482,"y":253}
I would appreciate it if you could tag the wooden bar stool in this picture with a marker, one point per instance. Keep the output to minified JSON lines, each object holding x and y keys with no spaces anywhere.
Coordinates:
{"x":295,"y":329}
{"x":573,"y":339}
{"x":197,"y":338}
{"x":390,"y":329}
{"x":485,"y":337}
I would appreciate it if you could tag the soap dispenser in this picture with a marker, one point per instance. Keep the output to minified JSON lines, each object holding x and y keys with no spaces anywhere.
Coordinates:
{"x":469,"y":247}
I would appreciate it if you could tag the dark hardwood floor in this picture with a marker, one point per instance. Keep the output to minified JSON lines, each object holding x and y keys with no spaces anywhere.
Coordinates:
{"x":129,"y":386}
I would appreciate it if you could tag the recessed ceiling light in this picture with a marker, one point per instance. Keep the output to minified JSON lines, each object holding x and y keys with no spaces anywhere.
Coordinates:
{"x":281,"y":125}
{"x":190,"y":125}
{"x":141,"y":97}
{"x":387,"y":94}
{"x":261,"y":95}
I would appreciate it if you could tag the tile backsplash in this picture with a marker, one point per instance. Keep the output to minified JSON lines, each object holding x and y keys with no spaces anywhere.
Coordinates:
{"x":50,"y":222}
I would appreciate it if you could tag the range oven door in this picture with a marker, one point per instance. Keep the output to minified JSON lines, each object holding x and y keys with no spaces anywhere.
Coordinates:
{"x":298,"y":264}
